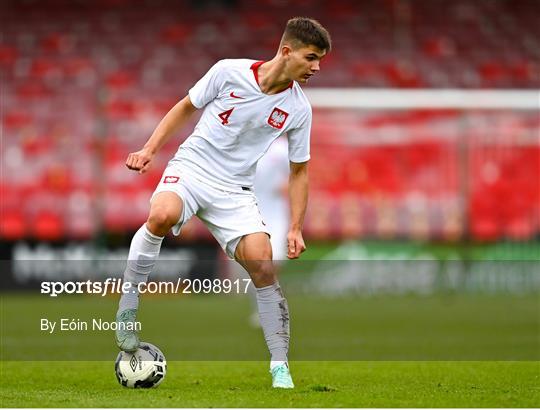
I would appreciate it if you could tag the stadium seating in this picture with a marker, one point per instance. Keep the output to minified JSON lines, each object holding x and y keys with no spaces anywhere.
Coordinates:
{"x":422,"y":171}
{"x":84,"y":83}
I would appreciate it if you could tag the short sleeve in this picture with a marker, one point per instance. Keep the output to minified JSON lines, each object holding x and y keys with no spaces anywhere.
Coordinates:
{"x":299,"y":139}
{"x":207,"y":88}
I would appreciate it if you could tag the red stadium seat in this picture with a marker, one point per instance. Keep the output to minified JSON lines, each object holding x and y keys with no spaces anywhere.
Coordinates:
{"x":17,"y":119}
{"x":120,"y":80}
{"x":13,"y":226}
{"x":176,"y":33}
{"x":403,"y":74}
{"x":55,"y":43}
{"x":33,"y":91}
{"x":8,"y":55}
{"x":492,"y":73}
{"x":485,"y":228}
{"x":48,"y":226}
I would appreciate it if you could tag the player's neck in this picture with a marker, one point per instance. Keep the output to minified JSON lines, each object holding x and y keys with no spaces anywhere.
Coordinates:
{"x":272,"y":79}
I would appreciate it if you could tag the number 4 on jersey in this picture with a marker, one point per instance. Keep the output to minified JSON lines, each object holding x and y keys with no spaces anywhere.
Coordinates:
{"x":224,"y":116}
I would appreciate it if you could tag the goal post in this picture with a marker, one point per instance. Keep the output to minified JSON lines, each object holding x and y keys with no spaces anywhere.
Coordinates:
{"x":425,"y":164}
{"x":370,"y":99}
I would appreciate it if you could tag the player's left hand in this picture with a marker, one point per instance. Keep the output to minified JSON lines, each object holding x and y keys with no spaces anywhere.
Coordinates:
{"x":295,"y":244}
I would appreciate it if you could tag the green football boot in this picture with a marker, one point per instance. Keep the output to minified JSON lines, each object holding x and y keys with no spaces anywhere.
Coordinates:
{"x":281,"y":377}
{"x":127,"y":340}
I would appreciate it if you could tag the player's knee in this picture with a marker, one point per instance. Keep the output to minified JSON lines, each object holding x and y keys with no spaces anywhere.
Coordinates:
{"x":160,"y":221}
{"x":264,"y":273}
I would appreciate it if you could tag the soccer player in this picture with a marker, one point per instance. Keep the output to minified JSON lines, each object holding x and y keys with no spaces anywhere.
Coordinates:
{"x":247,"y":105}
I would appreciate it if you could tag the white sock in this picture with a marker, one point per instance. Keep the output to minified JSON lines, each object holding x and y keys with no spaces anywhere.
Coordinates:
{"x":274,"y":316}
{"x":143,"y":252}
{"x":129,"y":299}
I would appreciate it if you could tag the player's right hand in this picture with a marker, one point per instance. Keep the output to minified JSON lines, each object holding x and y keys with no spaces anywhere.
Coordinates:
{"x":140,"y":160}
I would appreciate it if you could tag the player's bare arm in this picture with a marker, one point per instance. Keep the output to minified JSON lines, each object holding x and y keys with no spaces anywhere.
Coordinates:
{"x":298,"y":196}
{"x":168,"y":126}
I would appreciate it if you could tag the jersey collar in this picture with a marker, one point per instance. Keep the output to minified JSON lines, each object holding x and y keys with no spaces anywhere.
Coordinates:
{"x":255,"y":68}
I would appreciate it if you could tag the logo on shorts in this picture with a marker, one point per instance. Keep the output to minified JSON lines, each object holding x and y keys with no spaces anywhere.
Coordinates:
{"x":277,"y":118}
{"x":170,"y":179}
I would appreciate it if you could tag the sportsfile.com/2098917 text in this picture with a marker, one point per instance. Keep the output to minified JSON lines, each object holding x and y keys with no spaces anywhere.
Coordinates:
{"x":114,"y":285}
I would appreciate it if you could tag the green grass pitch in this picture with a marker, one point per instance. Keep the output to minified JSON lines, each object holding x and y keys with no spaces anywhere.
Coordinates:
{"x":368,"y":331}
{"x":246,"y":384}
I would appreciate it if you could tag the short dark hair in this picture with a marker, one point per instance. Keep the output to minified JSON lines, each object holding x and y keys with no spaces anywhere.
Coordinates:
{"x":306,"y":31}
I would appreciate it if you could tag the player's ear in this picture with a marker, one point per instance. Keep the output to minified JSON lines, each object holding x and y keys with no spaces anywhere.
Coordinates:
{"x":286,"y":50}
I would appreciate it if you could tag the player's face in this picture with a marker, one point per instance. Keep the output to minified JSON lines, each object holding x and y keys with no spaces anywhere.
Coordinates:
{"x":304,"y":62}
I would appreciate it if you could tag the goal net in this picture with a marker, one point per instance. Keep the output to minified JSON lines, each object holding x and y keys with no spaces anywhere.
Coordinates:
{"x":448,"y":165}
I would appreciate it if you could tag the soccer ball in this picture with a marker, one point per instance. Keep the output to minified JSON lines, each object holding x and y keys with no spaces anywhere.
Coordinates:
{"x":143,"y":369}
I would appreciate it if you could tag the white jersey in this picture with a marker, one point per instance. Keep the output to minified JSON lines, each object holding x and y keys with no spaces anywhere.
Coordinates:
{"x":239,"y":123}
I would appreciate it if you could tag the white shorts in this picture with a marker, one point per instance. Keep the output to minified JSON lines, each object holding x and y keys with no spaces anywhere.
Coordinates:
{"x":228,"y":214}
